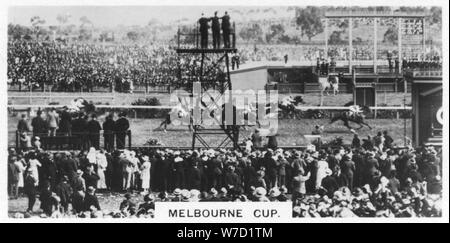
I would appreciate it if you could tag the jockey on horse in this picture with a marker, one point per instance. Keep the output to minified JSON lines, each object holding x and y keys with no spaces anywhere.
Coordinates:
{"x":177,"y":111}
{"x":354,"y":111}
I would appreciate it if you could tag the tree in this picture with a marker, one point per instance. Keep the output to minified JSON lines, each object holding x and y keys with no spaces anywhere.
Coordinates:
{"x":133,"y":35}
{"x":36,"y":23}
{"x":63,"y":18}
{"x":436,"y":15}
{"x":391,"y":35}
{"x":336,"y":38}
{"x":309,"y":20}
{"x":85,"y":21}
{"x":276,"y":31}
{"x":251,"y":33}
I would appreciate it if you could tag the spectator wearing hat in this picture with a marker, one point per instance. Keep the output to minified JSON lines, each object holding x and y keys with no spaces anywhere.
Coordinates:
{"x":79,"y":127}
{"x":260,"y":195}
{"x":356,"y":142}
{"x":121,"y":127}
{"x":65,"y":123}
{"x":30,"y":189}
{"x":232,"y":179}
{"x":388,"y":141}
{"x":14,"y":174}
{"x":64,"y":192}
{"x":145,"y":173}
{"x":108,"y":132}
{"x":90,"y":177}
{"x":90,"y":202}
{"x":329,"y":183}
{"x":147,"y":206}
{"x":128,"y":206}
{"x":257,"y":139}
{"x":347,"y":167}
{"x":94,"y":128}
{"x":249,"y":175}
{"x":321,"y":168}
{"x":22,"y":124}
{"x":176,"y":195}
{"x":283,"y":165}
{"x":47,"y":202}
{"x":299,"y":184}
{"x":260,"y":180}
{"x":39,"y":125}
{"x":194,"y":177}
{"x":33,"y":166}
{"x":79,"y":188}
{"x":52,"y":122}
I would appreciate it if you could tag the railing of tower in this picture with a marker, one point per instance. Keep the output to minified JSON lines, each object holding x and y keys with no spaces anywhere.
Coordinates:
{"x":188,"y":37}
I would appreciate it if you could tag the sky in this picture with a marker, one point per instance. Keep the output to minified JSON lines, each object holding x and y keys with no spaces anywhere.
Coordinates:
{"x":111,"y":16}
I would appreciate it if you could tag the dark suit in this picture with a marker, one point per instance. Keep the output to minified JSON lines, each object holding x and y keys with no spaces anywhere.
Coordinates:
{"x":216,"y":32}
{"x":194,"y":178}
{"x":91,"y":179}
{"x":226,"y":29}
{"x":89,"y":201}
{"x":203,"y":22}
{"x":39,"y":126}
{"x":121,"y":128}
{"x":93,"y":128}
{"x":64,"y":192}
{"x":347,"y":170}
{"x":108,"y":134}
{"x":65,"y":124}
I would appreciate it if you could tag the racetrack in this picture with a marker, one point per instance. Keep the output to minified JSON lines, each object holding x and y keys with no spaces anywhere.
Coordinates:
{"x":290,"y":131}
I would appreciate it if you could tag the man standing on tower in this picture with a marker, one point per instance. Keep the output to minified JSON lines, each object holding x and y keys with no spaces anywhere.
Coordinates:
{"x":216,"y":31}
{"x":203,"y":22}
{"x":226,"y":29}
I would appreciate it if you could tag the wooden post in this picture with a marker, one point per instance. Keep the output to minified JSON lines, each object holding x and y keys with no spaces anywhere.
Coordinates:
{"x":375,"y":44}
{"x":399,"y":45}
{"x":326,"y":37}
{"x":350,"y":43}
{"x":354,"y":86}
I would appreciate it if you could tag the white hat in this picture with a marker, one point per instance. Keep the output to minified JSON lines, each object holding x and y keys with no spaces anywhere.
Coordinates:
{"x":274,"y":192}
{"x":260,"y":192}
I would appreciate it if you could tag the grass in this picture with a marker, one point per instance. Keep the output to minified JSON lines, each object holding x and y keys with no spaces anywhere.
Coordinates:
{"x":291,"y":132}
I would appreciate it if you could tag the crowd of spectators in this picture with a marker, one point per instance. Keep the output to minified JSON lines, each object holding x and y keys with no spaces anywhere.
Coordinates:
{"x":77,"y":66}
{"x":369,"y":178}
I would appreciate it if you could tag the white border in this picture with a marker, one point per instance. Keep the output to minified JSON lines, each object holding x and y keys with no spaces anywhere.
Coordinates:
{"x":3,"y":90}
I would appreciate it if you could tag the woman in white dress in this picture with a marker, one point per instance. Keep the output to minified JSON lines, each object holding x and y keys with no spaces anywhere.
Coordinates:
{"x":322,"y":167}
{"x":145,"y":173}
{"x":92,"y":156}
{"x":21,"y":166}
{"x":33,"y":165}
{"x":102,"y":163}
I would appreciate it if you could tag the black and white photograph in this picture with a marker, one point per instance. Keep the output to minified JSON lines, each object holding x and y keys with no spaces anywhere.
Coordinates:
{"x":318,"y":110}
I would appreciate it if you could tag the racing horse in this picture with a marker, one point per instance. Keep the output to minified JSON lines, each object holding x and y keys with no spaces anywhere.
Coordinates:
{"x":325,"y":84}
{"x":287,"y":108}
{"x":177,"y":111}
{"x":355,"y":114}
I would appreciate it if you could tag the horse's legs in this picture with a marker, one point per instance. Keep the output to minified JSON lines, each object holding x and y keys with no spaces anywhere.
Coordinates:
{"x":367,"y":125}
{"x":347,"y":124}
